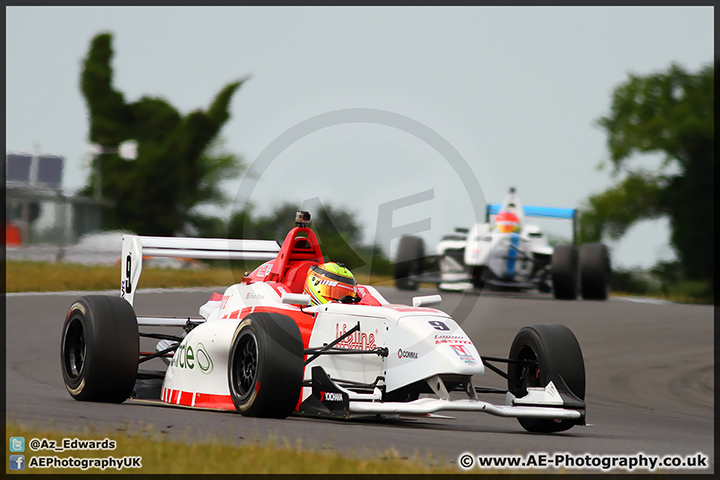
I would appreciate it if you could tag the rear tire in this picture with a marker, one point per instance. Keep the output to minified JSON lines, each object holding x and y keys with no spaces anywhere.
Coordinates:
{"x":555,"y":349}
{"x":564,"y":272}
{"x":99,"y":349}
{"x":479,"y":276}
{"x":594,"y":271}
{"x":266,"y":366}
{"x":409,"y":262}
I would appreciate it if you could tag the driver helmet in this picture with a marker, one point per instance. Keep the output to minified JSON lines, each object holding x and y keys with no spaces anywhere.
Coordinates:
{"x":329,"y":282}
{"x":507,"y":222}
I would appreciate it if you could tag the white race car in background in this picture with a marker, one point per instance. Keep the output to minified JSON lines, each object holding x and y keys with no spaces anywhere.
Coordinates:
{"x":484,"y":257}
{"x":262,"y":350}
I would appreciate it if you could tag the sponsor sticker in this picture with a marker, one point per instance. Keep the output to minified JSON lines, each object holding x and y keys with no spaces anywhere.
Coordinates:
{"x":452,"y":339}
{"x":407,"y":354}
{"x":356,"y":341}
{"x":263,"y":270}
{"x":331,"y":397}
{"x":190,"y":357}
{"x":464,"y":355}
{"x":78,"y":306}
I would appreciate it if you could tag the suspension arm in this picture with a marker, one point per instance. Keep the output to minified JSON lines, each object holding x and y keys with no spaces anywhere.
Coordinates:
{"x":342,"y":337}
{"x":171,"y":348}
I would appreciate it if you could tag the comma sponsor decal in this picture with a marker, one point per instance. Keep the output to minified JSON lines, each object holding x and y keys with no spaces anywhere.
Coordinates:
{"x":407,"y":354}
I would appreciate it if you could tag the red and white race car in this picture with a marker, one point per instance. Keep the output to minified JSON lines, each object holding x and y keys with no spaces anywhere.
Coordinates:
{"x":262,"y":349}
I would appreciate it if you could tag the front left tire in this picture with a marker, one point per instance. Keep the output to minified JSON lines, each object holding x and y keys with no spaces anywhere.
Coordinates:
{"x":99,"y":349}
{"x":266,"y":365}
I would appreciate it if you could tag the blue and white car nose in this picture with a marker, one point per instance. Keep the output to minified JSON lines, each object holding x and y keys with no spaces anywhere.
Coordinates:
{"x":512,"y":254}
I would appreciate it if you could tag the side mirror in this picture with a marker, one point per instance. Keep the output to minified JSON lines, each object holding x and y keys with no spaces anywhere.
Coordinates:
{"x":427,"y":300}
{"x":301,"y":299}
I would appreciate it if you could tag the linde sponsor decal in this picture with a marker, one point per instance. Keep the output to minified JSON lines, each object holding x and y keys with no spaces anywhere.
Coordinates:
{"x":356,"y":341}
{"x":452,"y":339}
{"x":188,"y":357}
{"x":407,"y":354}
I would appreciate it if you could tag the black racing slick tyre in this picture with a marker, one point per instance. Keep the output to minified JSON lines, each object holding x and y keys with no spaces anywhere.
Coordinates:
{"x":266,"y":365}
{"x":546,"y":349}
{"x":564,"y":272}
{"x":480,"y":276}
{"x":100,"y":349}
{"x":594,"y":271}
{"x":409,"y":262}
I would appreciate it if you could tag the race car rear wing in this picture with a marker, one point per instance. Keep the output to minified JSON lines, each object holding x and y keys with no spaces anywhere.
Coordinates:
{"x":546,"y":212}
{"x":135,"y":247}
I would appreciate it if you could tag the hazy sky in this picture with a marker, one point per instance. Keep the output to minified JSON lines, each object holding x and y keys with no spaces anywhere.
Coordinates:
{"x":411,"y":97}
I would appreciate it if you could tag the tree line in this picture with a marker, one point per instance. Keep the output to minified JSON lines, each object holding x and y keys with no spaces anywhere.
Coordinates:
{"x":670,"y":113}
{"x":181,"y":162}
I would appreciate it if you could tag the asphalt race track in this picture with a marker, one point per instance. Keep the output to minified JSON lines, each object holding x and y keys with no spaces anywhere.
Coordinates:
{"x":650,"y":386}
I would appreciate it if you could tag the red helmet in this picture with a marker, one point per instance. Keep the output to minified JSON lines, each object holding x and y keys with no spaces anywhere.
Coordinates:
{"x":507,"y":222}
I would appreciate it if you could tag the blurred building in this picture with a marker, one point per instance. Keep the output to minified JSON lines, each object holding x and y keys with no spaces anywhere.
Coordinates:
{"x":33,"y":188}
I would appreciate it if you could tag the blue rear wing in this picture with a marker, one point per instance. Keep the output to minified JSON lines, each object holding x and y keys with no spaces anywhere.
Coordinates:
{"x":546,"y":212}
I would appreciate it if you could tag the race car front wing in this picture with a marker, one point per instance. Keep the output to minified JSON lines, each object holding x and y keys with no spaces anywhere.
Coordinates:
{"x":330,"y":399}
{"x":423,"y":406}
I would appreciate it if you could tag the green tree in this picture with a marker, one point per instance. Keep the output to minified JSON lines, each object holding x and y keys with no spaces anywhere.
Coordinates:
{"x":179,"y":164}
{"x":670,"y":113}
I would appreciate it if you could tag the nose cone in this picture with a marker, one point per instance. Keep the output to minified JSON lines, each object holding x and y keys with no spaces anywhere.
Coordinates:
{"x":461,"y":356}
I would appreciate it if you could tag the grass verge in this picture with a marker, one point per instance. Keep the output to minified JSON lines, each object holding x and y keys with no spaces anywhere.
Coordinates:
{"x":23,"y":276}
{"x":213,"y":455}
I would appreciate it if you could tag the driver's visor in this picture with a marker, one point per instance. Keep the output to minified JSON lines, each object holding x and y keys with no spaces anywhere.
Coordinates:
{"x":507,"y":227}
{"x":334,"y":290}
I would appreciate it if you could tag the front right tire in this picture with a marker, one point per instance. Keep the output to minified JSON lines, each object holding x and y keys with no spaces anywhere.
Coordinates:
{"x":542,"y":350}
{"x":409,"y":262}
{"x":564,"y":272}
{"x":480,"y":276}
{"x":594,"y":271}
